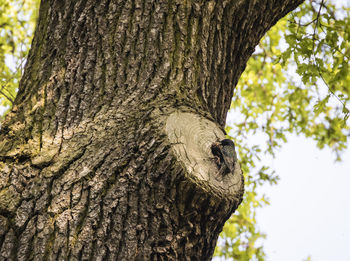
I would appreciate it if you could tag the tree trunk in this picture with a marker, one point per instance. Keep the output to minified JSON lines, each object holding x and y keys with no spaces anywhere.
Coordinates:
{"x":106,"y":152}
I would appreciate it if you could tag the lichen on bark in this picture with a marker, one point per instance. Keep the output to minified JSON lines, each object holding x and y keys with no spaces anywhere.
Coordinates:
{"x":89,"y":153}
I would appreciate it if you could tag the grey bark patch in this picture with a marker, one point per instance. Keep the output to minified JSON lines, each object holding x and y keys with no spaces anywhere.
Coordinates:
{"x":191,"y":137}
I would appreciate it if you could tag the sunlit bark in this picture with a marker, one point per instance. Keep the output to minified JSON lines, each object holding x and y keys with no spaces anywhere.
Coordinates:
{"x":106,"y":153}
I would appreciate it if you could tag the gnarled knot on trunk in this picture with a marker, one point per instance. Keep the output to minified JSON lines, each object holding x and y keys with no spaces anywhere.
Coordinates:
{"x":192,"y":137}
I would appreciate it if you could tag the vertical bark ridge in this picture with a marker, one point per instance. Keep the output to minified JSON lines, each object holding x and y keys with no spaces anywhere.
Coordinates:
{"x":86,"y":168}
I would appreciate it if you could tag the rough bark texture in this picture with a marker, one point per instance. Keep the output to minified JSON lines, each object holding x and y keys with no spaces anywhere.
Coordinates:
{"x":105,"y":153}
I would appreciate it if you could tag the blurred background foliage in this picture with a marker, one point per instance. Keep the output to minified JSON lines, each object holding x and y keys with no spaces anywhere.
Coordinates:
{"x":17,"y":22}
{"x":297,"y":81}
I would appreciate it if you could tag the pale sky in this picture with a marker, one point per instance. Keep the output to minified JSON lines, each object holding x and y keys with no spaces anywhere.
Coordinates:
{"x":309,"y":213}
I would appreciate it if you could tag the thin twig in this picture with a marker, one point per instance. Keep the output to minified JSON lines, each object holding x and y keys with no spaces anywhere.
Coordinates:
{"x":316,"y":24}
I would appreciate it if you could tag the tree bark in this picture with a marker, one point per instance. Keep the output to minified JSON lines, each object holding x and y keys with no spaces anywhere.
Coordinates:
{"x":106,"y":152}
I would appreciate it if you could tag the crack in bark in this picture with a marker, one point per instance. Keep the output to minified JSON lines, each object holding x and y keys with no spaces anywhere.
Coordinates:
{"x":86,"y":163}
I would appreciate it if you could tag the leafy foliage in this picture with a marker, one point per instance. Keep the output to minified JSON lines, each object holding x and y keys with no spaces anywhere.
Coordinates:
{"x":17,"y":21}
{"x":297,"y":81}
